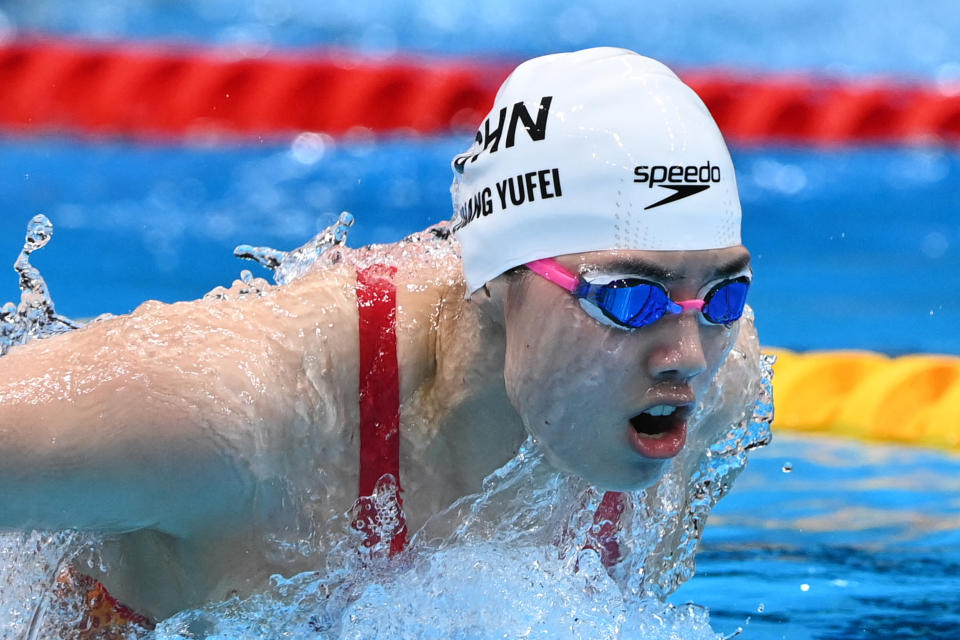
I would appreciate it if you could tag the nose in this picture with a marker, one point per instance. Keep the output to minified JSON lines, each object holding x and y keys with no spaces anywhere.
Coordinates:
{"x":678,"y":352}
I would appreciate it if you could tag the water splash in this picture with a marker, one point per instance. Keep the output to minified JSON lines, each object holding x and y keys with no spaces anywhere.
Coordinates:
{"x":329,"y":247}
{"x":30,"y":563}
{"x":289,"y":265}
{"x":379,"y":518}
{"x":681,"y":505}
{"x":34,"y":316}
{"x":245,"y":285}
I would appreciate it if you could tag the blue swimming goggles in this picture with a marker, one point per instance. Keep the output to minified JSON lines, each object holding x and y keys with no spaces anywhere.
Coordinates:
{"x":633,"y":302}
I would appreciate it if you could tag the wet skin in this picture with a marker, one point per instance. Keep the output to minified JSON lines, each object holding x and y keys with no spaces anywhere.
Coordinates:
{"x":194,"y":432}
{"x":577,"y":382}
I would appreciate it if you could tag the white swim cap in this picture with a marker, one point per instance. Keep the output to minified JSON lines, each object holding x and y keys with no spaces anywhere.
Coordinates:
{"x":592,"y":150}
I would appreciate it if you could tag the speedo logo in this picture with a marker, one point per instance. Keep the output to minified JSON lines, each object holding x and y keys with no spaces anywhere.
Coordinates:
{"x":683,"y":180}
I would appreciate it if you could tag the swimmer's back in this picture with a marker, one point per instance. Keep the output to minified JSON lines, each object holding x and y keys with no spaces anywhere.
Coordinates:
{"x":195,"y":421}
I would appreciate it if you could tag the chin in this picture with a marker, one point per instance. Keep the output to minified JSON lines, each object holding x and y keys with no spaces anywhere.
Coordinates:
{"x":611,"y":479}
{"x":628,"y":484}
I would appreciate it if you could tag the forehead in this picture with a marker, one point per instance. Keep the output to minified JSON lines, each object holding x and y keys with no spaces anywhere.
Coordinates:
{"x":662,"y":265}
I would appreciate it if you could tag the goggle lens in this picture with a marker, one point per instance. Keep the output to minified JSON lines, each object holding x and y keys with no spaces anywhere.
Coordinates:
{"x":724,"y":304}
{"x":637,"y":303}
{"x":631,"y":302}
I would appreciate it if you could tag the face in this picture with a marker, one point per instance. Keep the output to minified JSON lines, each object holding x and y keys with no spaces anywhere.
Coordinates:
{"x":609,"y":404}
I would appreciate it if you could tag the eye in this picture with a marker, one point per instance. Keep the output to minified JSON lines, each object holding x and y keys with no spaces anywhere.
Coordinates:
{"x":725,"y":301}
{"x":594,"y":312}
{"x":705,"y":290}
{"x":628,"y":303}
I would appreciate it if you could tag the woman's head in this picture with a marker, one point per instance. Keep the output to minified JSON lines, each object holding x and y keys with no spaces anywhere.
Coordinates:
{"x":606,"y":162}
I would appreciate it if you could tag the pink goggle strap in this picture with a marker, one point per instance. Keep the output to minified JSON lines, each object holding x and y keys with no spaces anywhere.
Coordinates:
{"x":692,"y":304}
{"x":552,"y":271}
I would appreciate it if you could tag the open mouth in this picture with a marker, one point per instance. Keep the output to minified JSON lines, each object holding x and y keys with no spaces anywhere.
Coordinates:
{"x":659,"y":431}
{"x":655,"y":421}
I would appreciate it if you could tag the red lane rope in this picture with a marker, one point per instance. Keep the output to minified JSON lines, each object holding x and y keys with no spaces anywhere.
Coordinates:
{"x":153,"y":93}
{"x":148,"y":93}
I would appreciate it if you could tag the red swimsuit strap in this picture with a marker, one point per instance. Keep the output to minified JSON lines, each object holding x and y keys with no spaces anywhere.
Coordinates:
{"x":605,"y":538}
{"x":379,"y":393}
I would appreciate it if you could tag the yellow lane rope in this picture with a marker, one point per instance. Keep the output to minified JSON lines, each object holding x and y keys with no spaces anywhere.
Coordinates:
{"x":912,"y":399}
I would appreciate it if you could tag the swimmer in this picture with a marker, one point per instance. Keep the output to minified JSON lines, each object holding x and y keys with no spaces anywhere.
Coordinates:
{"x":587,"y":292}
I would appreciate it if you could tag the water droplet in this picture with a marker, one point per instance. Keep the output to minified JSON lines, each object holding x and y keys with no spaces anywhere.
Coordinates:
{"x":39,"y":232}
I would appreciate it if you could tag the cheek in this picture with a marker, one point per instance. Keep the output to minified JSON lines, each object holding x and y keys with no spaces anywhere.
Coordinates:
{"x":564,"y":375}
{"x":537,"y":370}
{"x":717,"y":342}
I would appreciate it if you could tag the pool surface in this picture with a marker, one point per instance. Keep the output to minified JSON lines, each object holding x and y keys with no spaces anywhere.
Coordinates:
{"x":855,"y":541}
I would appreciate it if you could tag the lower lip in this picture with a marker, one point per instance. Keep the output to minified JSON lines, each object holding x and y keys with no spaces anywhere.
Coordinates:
{"x":662,"y":446}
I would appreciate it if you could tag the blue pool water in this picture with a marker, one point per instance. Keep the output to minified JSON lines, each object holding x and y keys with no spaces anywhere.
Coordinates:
{"x":856,"y":541}
{"x":853,"y":248}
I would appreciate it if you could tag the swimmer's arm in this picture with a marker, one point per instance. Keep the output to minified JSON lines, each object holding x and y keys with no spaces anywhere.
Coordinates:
{"x":169,"y":419}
